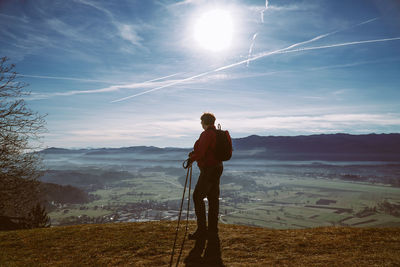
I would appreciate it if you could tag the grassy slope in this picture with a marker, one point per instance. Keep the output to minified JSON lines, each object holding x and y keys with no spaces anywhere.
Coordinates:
{"x":149,"y":244}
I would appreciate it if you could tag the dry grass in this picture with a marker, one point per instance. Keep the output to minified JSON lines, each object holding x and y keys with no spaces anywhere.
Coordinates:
{"x":149,"y":244}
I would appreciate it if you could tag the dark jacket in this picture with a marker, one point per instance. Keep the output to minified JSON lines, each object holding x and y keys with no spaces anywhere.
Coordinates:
{"x":204,"y":149}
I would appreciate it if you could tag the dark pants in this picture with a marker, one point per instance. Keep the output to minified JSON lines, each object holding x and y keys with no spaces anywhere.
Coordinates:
{"x":207,"y":186}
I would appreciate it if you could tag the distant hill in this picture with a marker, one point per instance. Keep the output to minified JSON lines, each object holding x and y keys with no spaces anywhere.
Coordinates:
{"x":84,"y":179}
{"x":336,"y":147}
{"x":324,"y":143}
{"x":343,"y":147}
{"x":150,"y":244}
{"x":107,"y":151}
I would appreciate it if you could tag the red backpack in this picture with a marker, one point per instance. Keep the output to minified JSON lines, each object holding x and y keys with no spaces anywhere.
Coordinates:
{"x":223,"y":147}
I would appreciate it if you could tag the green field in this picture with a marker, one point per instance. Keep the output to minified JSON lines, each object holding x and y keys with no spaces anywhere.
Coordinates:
{"x":274,"y":200}
{"x":308,"y":202}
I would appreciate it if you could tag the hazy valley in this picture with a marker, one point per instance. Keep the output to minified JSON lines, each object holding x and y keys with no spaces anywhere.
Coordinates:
{"x":146,"y":183}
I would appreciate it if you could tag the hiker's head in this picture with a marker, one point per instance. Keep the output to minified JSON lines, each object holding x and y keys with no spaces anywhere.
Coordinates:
{"x":207,"y":119}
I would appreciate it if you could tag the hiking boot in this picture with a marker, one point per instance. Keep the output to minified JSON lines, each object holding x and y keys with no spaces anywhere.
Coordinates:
{"x":193,"y":257}
{"x":199,"y":234}
{"x":212,"y":253}
{"x":212,"y":259}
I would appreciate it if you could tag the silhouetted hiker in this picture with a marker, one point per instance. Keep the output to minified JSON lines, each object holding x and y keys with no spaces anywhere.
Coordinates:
{"x":208,"y":182}
{"x":207,"y":186}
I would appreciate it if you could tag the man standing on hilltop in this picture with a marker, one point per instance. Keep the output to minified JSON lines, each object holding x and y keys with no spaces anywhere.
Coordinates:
{"x":208,"y":183}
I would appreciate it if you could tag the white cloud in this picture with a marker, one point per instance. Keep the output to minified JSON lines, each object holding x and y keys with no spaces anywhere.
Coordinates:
{"x":157,"y":131}
{"x":29,"y":35}
{"x":112,"y":88}
{"x":314,"y":123}
{"x":177,"y":130}
{"x":188,"y":2}
{"x":66,"y":78}
{"x":129,"y":33}
{"x":72,"y":32}
{"x":291,"y":7}
{"x":95,"y":6}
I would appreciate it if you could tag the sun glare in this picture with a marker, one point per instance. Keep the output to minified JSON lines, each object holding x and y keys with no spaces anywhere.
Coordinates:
{"x":213,"y":30}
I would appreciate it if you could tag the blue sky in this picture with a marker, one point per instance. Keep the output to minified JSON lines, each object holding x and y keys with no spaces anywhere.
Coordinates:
{"x":124,"y":73}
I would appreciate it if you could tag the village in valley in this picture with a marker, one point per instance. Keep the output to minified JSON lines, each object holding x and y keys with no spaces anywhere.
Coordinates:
{"x":276,"y":195}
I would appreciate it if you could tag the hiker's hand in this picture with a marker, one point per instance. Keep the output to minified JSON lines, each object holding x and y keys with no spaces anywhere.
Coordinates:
{"x":187,"y":163}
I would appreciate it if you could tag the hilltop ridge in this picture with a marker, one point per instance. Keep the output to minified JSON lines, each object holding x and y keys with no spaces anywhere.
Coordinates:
{"x":150,"y":243}
{"x":335,"y":147}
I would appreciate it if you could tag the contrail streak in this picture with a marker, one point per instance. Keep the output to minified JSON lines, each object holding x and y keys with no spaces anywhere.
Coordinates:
{"x":162,"y":78}
{"x":251,"y":47}
{"x":288,"y":49}
{"x":117,"y":87}
{"x":63,"y":78}
{"x":164,"y":86}
{"x":102,"y":90}
{"x":255,"y":35}
{"x":292,"y":46}
{"x":225,"y":67}
{"x":264,"y":54}
{"x":262,"y":11}
{"x":280,"y":51}
{"x":341,"y":44}
{"x":367,"y":21}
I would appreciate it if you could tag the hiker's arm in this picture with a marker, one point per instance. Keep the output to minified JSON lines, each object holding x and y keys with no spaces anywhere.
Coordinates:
{"x":201,"y":146}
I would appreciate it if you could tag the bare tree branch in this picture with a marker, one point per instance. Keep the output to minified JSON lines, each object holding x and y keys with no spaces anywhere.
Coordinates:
{"x":20,"y":131}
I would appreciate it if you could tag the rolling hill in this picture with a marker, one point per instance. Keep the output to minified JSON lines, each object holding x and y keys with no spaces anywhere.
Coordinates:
{"x":335,"y":147}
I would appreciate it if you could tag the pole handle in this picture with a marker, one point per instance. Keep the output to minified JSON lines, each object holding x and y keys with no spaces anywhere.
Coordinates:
{"x":186,"y":164}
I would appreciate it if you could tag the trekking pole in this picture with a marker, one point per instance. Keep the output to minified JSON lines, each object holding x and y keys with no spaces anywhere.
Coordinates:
{"x":189,"y":168}
{"x":187,"y":218}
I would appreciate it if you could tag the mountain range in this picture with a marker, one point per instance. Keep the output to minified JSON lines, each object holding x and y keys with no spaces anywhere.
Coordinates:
{"x":335,"y":147}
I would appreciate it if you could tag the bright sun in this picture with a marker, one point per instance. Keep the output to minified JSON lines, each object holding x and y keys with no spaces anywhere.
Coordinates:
{"x":213,"y":30}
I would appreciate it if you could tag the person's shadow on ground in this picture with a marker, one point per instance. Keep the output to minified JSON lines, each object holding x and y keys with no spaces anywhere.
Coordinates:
{"x":212,"y":254}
